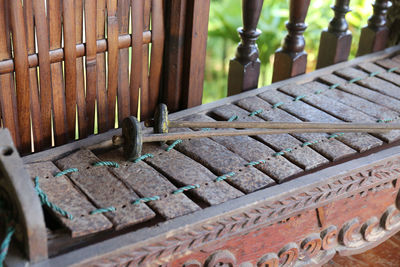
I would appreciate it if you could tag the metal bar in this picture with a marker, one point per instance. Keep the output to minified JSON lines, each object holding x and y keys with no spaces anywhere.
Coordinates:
{"x":284,"y":125}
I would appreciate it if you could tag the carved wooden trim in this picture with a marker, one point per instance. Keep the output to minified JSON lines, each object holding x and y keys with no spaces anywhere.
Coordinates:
{"x":318,"y":247}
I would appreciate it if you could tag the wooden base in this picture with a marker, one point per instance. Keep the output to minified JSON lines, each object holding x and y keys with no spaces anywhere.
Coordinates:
{"x":288,"y":65}
{"x":334,"y":48}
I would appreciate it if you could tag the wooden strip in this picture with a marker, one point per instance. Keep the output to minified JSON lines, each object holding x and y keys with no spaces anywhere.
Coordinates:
{"x":69,"y":31}
{"x":104,"y":189}
{"x":63,"y":193}
{"x":8,"y":100}
{"x":102,"y":116}
{"x":59,"y":108}
{"x":373,"y":83}
{"x":305,"y":157}
{"x":42,"y":33}
{"x":137,"y":53}
{"x":279,"y":168}
{"x":361,"y":91}
{"x":389,"y":64}
{"x":332,"y":149}
{"x":376,"y":112}
{"x":157,"y":51}
{"x":147,"y":182}
{"x":183,"y":171}
{"x":377,"y":71}
{"x":112,"y":37}
{"x":21,"y":74}
{"x":33,"y":77}
{"x":145,"y":110}
{"x":91,"y":62}
{"x":123,"y":63}
{"x":221,"y":161}
{"x":80,"y":82}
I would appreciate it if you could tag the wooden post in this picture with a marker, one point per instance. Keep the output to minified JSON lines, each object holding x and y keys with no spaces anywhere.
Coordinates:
{"x":244,"y":69}
{"x":393,"y":18}
{"x":336,"y":40}
{"x":375,"y":36}
{"x":291,"y":59}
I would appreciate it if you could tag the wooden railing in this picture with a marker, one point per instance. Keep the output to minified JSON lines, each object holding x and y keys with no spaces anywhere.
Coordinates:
{"x":291,"y":59}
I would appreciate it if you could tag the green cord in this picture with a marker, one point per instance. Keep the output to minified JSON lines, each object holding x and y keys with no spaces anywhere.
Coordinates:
{"x":256,"y":112}
{"x":103,"y":210}
{"x":145,"y":156}
{"x":106,"y":163}
{"x":225,"y":176}
{"x":71,"y":170}
{"x":254,"y":163}
{"x":185,"y":188}
{"x":176,"y":142}
{"x":145,"y":199}
{"x":6,"y":244}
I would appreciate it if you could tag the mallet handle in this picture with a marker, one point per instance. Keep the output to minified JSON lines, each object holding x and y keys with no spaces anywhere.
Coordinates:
{"x":282,"y":125}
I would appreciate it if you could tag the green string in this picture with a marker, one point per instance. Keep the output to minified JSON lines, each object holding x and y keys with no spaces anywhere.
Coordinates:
{"x":276,"y":105}
{"x":106,"y":163}
{"x":309,"y":143}
{"x":103,"y":210}
{"x":373,"y":74}
{"x":254,"y":163}
{"x":385,"y":120}
{"x":176,"y":142}
{"x":318,"y":91}
{"x":71,"y":170}
{"x":233,"y":118}
{"x":6,"y":244}
{"x":145,"y":199}
{"x":185,"y":188}
{"x":333,"y":86}
{"x":225,"y":176}
{"x":297,"y":98}
{"x":336,"y":135}
{"x":45,"y":201}
{"x":143,"y":157}
{"x":256,"y":112}
{"x":283,"y":152}
{"x":392,"y":69}
{"x":355,"y":80}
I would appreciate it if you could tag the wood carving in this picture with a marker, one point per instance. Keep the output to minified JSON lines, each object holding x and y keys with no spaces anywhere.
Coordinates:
{"x":352,"y":236}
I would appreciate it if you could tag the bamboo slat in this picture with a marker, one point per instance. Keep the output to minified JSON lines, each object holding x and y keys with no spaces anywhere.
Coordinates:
{"x":80,"y":82}
{"x":91,"y":65}
{"x":112,"y":35}
{"x":70,"y":65}
{"x":137,"y":53}
{"x":8,"y":100}
{"x":58,"y":92}
{"x":101,"y":70}
{"x":21,"y":73}
{"x":123,"y":62}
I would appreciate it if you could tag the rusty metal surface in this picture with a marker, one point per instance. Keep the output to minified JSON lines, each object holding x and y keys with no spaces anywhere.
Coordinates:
{"x":380,"y":72}
{"x":183,"y":171}
{"x":333,"y":149}
{"x":104,"y":189}
{"x":147,"y":182}
{"x":62,"y":193}
{"x":222,"y":161}
{"x":327,"y":110}
{"x":363,"y":92}
{"x":279,"y":168}
{"x":360,"y":109}
{"x":305,"y":157}
{"x":373,"y":83}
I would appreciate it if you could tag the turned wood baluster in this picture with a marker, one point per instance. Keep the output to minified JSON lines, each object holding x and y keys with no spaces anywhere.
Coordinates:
{"x":244,"y":69}
{"x":375,"y":36}
{"x":336,"y":40}
{"x":291,"y":59}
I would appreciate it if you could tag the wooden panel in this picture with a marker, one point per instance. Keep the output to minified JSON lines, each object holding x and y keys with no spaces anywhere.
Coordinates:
{"x":33,"y":76}
{"x":221,"y":161}
{"x":147,"y":182}
{"x":21,"y":74}
{"x":145,"y":109}
{"x":57,"y":83}
{"x":112,"y":67}
{"x":8,"y":101}
{"x":363,"y":92}
{"x":104,"y":189}
{"x":306,"y":157}
{"x":69,"y":31}
{"x":373,"y":83}
{"x":102,"y":116}
{"x":91,"y":62}
{"x":123,"y":62}
{"x":375,"y":70}
{"x":389,"y":64}
{"x":62,"y":193}
{"x":175,"y":166}
{"x":359,"y":141}
{"x":279,"y":168}
{"x":332,"y":149}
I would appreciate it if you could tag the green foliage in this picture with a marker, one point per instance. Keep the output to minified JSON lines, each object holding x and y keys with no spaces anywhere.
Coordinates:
{"x":225,"y":18}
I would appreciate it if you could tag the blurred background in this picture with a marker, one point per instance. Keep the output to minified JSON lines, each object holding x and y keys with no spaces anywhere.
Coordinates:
{"x":225,"y":18}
